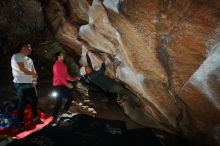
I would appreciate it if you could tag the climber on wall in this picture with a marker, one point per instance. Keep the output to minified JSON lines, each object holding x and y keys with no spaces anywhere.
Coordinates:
{"x":106,"y":83}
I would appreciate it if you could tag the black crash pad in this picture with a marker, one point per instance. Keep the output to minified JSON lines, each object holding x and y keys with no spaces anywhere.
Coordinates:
{"x":84,"y":130}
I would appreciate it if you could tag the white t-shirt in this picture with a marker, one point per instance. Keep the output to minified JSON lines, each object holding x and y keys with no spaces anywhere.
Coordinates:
{"x":19,"y":76}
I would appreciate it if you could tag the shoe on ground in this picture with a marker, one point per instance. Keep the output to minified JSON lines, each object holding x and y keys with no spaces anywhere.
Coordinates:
{"x":21,"y":126}
{"x":38,"y":121}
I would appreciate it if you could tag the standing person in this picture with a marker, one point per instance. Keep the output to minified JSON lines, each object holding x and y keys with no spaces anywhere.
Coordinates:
{"x":60,"y":84}
{"x":24,"y":74}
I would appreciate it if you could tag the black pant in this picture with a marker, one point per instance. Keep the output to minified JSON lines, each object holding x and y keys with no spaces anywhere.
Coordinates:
{"x":118,"y":88}
{"x":26,"y":94}
{"x":62,"y":91}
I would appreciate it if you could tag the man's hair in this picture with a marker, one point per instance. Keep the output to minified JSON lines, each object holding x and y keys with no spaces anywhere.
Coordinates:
{"x":22,"y":44}
{"x":58,"y":54}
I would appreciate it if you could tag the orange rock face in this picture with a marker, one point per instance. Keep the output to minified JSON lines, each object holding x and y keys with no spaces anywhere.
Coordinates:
{"x":167,"y":52}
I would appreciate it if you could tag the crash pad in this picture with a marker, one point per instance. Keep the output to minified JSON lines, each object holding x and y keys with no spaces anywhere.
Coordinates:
{"x":29,"y":124}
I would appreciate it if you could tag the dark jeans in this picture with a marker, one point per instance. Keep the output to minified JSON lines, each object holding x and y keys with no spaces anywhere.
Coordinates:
{"x":62,"y":91}
{"x":26,"y":92}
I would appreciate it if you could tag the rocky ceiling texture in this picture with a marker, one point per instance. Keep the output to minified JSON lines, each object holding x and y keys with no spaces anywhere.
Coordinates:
{"x":167,"y":52}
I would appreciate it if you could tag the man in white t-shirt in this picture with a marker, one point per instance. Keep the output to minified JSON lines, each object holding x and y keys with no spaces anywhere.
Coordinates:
{"x":24,"y":80}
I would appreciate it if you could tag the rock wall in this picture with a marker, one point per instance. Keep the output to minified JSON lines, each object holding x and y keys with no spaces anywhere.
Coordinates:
{"x":19,"y":21}
{"x":165,"y":51}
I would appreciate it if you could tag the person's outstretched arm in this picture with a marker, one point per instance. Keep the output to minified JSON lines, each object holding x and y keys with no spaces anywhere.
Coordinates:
{"x":89,"y":61}
{"x":71,"y":78}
